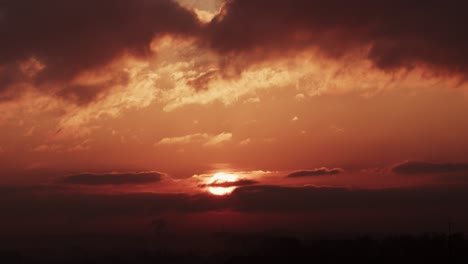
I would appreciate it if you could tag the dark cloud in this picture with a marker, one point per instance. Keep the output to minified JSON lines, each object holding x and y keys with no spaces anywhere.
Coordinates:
{"x":242,"y":182}
{"x":252,"y":209}
{"x":457,"y":179}
{"x":261,"y":198}
{"x":415,"y":167}
{"x":30,"y":189}
{"x":399,"y":33}
{"x":315,"y":172}
{"x":91,"y":205}
{"x":313,"y":199}
{"x":113,"y":178}
{"x":70,"y":37}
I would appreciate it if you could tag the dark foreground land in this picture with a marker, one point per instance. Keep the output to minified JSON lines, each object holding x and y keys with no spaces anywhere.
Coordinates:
{"x":236,"y":248}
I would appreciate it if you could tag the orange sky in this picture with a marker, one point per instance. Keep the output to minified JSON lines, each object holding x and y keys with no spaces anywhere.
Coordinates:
{"x":184,"y":111}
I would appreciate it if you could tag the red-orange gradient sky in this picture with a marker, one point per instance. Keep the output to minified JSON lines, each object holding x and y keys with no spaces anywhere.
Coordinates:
{"x":321,"y":110}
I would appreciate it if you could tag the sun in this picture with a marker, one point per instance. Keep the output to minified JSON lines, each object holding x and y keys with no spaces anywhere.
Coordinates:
{"x":222,"y":177}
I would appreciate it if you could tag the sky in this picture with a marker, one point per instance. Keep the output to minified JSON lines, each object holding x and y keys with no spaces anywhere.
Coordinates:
{"x":337,"y":116}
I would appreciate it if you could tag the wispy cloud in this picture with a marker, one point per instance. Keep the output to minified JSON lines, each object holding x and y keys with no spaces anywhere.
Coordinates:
{"x":200,"y":138}
{"x":218,"y":139}
{"x":238,"y":183}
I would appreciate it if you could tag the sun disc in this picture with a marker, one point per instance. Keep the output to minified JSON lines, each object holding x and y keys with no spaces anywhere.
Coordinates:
{"x":222,"y":177}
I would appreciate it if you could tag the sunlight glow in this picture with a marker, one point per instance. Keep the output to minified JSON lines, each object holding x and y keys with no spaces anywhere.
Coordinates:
{"x":222,"y":177}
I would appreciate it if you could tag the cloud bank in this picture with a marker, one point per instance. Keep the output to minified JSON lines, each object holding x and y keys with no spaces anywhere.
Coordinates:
{"x":417,"y":167}
{"x":32,"y":202}
{"x":113,"y":178}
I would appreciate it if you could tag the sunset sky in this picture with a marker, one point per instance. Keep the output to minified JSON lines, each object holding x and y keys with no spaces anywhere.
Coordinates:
{"x":334,"y":115}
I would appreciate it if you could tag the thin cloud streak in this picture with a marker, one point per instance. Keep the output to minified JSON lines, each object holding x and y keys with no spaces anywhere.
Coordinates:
{"x":316,"y":172}
{"x":201,"y":138}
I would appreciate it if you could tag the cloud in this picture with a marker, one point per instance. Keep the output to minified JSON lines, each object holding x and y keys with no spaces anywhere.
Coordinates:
{"x":417,"y":167}
{"x":424,"y":34}
{"x":245,"y":142}
{"x":53,"y":202}
{"x":299,"y":97}
{"x":227,"y":88}
{"x":316,"y":172}
{"x":47,"y":148}
{"x":32,"y":209}
{"x":47,"y":202}
{"x":53,"y":42}
{"x":204,"y":138}
{"x":218,"y":139}
{"x":183,"y":139}
{"x":113,"y":178}
{"x":238,"y":183}
{"x":72,"y":50}
{"x":269,"y":198}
